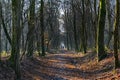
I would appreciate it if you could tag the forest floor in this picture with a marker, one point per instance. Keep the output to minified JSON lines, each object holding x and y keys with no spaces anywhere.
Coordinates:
{"x":65,"y":65}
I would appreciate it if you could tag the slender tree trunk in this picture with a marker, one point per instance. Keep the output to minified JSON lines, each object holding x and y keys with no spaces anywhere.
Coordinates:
{"x":116,"y":34}
{"x":84,"y":42}
{"x":95,"y":23}
{"x":0,"y":30}
{"x":0,"y":41}
{"x":6,"y":45}
{"x":42,"y":27}
{"x":22,"y":26}
{"x":109,"y":23}
{"x":31,"y":28}
{"x":70,"y":42}
{"x":74,"y":26}
{"x":75,"y":32}
{"x":100,"y":34}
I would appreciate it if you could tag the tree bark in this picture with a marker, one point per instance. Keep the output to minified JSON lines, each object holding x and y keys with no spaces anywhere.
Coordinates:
{"x":100,"y":32}
{"x":31,"y":28}
{"x":16,"y":33}
{"x":0,"y":31}
{"x":116,"y":33}
{"x":74,"y":26}
{"x":83,"y":36}
{"x":42,"y":27}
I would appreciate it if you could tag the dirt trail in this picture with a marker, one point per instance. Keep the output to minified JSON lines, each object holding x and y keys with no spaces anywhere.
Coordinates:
{"x":68,"y":65}
{"x":65,"y":65}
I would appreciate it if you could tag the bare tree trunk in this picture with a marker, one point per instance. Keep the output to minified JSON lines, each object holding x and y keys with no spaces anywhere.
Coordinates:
{"x":16,"y":33}
{"x":31,"y":28}
{"x":42,"y":27}
{"x":109,"y":23}
{"x":0,"y":30}
{"x":101,"y":26}
{"x":116,"y":34}
{"x":74,"y":25}
{"x":95,"y":23}
{"x":84,"y":42}
{"x":0,"y":41}
{"x":22,"y":26}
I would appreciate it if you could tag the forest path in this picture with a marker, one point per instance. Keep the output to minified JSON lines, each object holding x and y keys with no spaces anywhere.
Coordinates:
{"x":67,"y":65}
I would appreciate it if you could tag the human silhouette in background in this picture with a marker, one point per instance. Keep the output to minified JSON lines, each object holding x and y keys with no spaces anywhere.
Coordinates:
{"x":62,"y":46}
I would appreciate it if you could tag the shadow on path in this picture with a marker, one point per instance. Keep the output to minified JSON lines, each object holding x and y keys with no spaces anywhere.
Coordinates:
{"x":60,"y":67}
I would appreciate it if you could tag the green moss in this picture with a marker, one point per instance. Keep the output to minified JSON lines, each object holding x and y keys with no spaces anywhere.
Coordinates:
{"x":100,"y":31}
